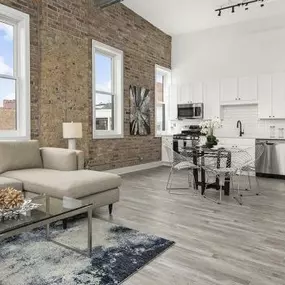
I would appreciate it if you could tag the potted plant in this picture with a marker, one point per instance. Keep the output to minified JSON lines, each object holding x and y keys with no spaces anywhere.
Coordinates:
{"x":208,"y":127}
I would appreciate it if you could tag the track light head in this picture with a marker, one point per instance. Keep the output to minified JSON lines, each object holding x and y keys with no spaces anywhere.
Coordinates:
{"x":233,"y":9}
{"x":220,"y":13}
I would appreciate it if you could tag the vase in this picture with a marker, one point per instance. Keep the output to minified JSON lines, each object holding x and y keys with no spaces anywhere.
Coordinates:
{"x":211,"y":141}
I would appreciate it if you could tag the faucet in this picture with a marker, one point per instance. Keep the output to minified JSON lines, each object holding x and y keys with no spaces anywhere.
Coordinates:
{"x":239,"y":125}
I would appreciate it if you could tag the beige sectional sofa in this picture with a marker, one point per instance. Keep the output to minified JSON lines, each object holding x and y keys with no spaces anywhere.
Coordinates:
{"x":55,"y":172}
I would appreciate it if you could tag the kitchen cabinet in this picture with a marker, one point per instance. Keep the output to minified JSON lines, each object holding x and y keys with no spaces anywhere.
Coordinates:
{"x":166,"y":141}
{"x":271,"y":96}
{"x":247,"y":89}
{"x":264,"y":96}
{"x":229,"y":90}
{"x":239,"y":91}
{"x":190,"y":93}
{"x":278,"y":96}
{"x":211,"y":99}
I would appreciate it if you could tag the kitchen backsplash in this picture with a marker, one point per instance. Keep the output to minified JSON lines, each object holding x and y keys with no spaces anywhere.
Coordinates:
{"x":248,"y":115}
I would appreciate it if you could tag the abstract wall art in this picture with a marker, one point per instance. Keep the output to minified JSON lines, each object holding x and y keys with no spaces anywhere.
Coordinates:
{"x":139,"y":111}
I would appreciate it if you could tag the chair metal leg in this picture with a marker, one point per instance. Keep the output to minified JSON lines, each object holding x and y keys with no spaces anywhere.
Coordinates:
{"x":238,"y":196}
{"x":249,"y":181}
{"x":168,"y":180}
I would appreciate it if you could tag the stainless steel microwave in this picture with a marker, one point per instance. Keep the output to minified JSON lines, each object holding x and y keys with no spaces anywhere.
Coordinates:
{"x":190,"y":111}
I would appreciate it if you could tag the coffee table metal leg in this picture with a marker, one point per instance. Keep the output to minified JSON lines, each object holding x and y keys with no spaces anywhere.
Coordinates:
{"x":47,"y":232}
{"x":90,"y":232}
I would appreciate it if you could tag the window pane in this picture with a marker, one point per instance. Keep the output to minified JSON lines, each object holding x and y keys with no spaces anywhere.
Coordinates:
{"x":104,"y":112}
{"x":6,"y":49}
{"x":103,"y":69}
{"x":160,"y":118}
{"x":7,"y":104}
{"x":159,"y":88}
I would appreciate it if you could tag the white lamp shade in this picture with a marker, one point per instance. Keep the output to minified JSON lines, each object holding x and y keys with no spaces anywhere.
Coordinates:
{"x":72,"y":130}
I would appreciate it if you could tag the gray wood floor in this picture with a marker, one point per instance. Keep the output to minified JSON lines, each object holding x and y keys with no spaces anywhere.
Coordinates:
{"x":215,"y":244}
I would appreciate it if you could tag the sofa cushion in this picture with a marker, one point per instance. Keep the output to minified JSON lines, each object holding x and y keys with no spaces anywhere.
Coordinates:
{"x":59,"y":159}
{"x":74,"y":184}
{"x":19,"y":155}
{"x":9,"y":182}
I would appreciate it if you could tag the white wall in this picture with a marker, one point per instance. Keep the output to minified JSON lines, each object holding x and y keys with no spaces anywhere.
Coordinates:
{"x":249,"y":48}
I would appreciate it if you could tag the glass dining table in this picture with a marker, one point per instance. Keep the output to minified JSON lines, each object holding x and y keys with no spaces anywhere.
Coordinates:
{"x":202,"y":156}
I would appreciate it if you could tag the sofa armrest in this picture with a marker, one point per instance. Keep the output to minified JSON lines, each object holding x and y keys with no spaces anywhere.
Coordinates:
{"x":62,"y":159}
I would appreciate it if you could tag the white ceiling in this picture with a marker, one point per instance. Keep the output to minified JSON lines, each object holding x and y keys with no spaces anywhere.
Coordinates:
{"x":183,"y":16}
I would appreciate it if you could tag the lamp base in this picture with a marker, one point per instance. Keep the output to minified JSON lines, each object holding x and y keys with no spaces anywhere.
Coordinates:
{"x":72,"y":144}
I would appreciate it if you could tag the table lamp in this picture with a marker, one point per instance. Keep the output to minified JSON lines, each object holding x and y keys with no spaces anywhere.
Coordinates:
{"x":72,"y":131}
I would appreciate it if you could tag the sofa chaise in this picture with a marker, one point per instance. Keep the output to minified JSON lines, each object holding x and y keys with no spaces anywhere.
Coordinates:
{"x":56,"y":172}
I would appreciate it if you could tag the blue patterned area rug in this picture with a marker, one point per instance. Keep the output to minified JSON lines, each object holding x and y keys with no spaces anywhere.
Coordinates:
{"x":118,"y":252}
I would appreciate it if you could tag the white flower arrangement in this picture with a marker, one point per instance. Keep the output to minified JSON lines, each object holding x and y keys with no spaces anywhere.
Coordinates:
{"x":208,"y":126}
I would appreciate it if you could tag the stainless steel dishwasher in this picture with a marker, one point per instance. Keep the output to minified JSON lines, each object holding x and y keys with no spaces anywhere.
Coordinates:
{"x":272,"y":162}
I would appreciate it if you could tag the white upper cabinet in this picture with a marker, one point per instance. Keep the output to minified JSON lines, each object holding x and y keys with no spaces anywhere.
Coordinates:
{"x":190,"y":93}
{"x":264,"y":96}
{"x":271,"y":96}
{"x":229,"y":90}
{"x":278,"y":96}
{"x":197,"y":92}
{"x":241,"y":90}
{"x":247,"y":89}
{"x":211,"y":99}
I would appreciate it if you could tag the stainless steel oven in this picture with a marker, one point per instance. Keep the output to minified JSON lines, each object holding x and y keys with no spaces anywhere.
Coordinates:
{"x":190,"y":111}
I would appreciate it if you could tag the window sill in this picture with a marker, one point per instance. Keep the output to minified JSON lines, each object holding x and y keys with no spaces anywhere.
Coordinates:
{"x":106,"y":137}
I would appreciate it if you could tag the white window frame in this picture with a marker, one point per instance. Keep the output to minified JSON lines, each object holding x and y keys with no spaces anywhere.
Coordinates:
{"x":166,"y":72}
{"x":117,"y":90}
{"x":21,"y":40}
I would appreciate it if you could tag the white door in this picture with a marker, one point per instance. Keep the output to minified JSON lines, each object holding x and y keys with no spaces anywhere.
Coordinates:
{"x":229,"y":90}
{"x":278,"y":96}
{"x":247,"y":89}
{"x":211,"y":99}
{"x":264,"y":96}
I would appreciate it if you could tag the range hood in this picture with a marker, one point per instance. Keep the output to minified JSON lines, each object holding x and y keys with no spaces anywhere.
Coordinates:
{"x":105,"y":3}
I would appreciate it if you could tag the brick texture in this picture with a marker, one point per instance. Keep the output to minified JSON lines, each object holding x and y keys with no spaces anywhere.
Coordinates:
{"x":61,"y":77}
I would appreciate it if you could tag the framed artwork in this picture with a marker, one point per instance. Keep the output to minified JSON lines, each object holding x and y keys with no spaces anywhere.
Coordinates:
{"x":139,"y":111}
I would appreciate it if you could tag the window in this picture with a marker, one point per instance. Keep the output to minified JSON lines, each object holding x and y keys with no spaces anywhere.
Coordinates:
{"x":162,"y":94}
{"x":14,"y":74}
{"x":107,"y":91}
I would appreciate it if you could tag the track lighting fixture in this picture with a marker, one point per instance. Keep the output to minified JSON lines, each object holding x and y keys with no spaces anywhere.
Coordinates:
{"x":240,"y":4}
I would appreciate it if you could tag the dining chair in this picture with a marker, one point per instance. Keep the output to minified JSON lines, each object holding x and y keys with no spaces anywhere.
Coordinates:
{"x":224,"y":165}
{"x":180,"y":161}
{"x":250,"y":169}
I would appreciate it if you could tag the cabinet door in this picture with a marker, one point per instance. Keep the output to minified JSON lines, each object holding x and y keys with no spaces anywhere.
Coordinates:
{"x":185,"y":94}
{"x":264,"y":96}
{"x":197,"y":92}
{"x":211,"y":99}
{"x":229,"y":90}
{"x":278,"y":96}
{"x":248,"y":89}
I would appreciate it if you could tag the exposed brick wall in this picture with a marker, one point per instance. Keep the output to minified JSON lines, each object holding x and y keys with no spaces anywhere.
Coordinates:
{"x":66,"y":29}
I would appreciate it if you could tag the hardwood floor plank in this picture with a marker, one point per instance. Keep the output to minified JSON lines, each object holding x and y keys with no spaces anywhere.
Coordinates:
{"x":224,"y":244}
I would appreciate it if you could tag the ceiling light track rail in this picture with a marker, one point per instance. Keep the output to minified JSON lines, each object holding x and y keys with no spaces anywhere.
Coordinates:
{"x":238,"y":5}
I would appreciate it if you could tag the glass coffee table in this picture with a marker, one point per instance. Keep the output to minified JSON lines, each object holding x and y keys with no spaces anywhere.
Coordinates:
{"x":50,"y":210}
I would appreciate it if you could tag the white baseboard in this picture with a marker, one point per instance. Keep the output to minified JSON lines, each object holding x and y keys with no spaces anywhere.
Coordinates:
{"x":135,"y":168}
